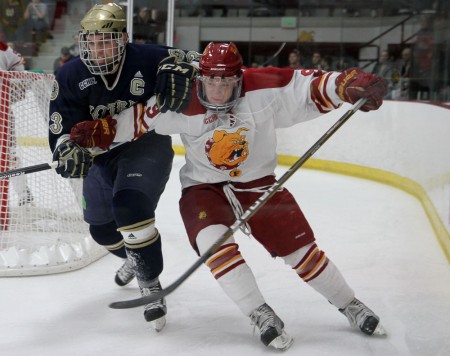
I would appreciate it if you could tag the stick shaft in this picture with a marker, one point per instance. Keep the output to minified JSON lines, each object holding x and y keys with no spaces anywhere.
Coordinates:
{"x":28,"y":170}
{"x":274,"y":55}
{"x":252,"y":210}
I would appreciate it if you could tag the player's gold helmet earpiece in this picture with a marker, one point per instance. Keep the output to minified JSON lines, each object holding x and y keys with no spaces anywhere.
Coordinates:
{"x":102,"y":38}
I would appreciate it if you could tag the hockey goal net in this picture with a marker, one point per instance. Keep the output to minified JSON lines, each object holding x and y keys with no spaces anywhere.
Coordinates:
{"x":41,"y":225}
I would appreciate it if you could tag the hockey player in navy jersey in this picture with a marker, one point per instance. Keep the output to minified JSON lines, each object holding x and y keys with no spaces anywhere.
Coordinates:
{"x":123,"y":184}
{"x":228,"y":130}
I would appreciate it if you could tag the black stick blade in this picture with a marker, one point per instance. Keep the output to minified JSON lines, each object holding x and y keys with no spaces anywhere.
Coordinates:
{"x":133,"y":303}
{"x":244,"y":217}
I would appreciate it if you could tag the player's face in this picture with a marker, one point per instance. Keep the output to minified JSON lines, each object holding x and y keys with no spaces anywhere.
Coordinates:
{"x":103,"y":48}
{"x":218,"y":90}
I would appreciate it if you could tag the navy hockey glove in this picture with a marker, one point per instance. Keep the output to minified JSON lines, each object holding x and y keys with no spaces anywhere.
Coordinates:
{"x":353,"y":84}
{"x":74,"y":161}
{"x":173,"y":87}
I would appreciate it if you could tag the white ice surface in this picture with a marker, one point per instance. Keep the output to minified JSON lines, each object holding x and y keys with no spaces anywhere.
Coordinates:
{"x":378,"y":236}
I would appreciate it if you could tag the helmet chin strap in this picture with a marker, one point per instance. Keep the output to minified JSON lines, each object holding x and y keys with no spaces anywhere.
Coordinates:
{"x":118,"y":70}
{"x":222,"y":109}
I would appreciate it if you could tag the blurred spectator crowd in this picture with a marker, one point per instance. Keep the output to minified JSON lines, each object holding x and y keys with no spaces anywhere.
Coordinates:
{"x":306,"y":8}
{"x":415,"y":69}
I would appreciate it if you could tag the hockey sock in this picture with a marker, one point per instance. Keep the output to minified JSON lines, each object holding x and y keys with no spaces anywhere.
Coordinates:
{"x":135,"y":217}
{"x":231,"y":271}
{"x":314,"y":267}
{"x":107,"y":236}
{"x":143,"y":244}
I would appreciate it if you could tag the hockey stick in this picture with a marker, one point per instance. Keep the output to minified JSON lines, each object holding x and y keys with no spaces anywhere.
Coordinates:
{"x":244,"y":218}
{"x":28,"y":170}
{"x":38,"y":167}
{"x":274,"y":55}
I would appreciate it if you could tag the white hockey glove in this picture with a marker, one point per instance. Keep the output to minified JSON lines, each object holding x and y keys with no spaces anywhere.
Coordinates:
{"x":74,"y":161}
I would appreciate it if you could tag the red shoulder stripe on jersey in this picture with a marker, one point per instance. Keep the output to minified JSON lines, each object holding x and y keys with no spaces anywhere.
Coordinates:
{"x":3,"y":46}
{"x":265,"y":78}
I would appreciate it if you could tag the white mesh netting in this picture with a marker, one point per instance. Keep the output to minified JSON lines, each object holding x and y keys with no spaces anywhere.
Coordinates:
{"x":41,"y":226}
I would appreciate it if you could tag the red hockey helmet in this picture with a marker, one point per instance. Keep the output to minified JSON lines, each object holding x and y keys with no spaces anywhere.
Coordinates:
{"x":219,"y":81}
{"x":221,"y":59}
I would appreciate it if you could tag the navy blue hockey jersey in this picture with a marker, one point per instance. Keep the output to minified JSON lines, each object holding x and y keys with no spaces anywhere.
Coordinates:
{"x":79,"y":95}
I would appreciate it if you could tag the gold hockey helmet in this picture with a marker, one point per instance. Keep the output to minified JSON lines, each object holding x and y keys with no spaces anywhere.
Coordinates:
{"x":104,"y":18}
{"x":103,"y":38}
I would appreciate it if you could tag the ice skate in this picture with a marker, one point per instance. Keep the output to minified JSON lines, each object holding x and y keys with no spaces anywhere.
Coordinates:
{"x":271,"y":328}
{"x":125,"y":274}
{"x":155,"y":312}
{"x":360,"y":316}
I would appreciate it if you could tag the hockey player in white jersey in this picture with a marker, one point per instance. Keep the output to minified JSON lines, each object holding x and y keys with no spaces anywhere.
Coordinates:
{"x":10,"y":60}
{"x":228,"y":130}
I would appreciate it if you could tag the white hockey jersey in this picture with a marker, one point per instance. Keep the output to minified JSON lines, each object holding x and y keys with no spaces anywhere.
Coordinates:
{"x":10,"y":60}
{"x":240,"y":145}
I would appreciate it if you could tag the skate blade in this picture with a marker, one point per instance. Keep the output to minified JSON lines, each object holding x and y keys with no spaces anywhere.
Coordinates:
{"x":282,"y":342}
{"x":158,"y":324}
{"x":379,"y":330}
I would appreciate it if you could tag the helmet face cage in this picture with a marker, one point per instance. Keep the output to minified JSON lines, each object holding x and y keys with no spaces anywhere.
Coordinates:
{"x":102,"y":38}
{"x":219,"y":82}
{"x":101,"y":53}
{"x":218,"y":94}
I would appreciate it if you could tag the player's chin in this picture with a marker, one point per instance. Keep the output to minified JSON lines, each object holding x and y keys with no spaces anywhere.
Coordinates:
{"x":100,"y":63}
{"x":216,"y":102}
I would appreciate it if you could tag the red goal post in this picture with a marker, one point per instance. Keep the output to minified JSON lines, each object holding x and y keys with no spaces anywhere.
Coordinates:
{"x":41,"y":225}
